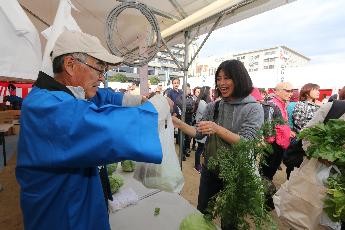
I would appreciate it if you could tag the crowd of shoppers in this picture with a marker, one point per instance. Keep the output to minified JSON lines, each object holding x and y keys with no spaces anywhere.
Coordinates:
{"x":57,"y":164}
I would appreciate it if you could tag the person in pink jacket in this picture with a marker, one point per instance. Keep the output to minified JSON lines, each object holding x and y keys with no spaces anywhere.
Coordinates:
{"x":280,"y":142}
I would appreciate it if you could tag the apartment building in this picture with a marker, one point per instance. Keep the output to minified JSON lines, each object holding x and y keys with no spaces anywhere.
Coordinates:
{"x":275,"y":59}
{"x":279,"y":57}
{"x":164,"y":66}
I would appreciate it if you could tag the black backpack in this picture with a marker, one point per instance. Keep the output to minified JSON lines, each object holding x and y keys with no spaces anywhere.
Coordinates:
{"x":190,"y":104}
{"x":271,"y":112}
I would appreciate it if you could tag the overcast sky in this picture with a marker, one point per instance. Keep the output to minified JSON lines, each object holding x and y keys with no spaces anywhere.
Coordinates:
{"x":314,"y":28}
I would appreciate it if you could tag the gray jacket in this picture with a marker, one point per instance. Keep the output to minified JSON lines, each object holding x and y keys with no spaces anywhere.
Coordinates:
{"x":243,"y":116}
{"x":198,"y":116}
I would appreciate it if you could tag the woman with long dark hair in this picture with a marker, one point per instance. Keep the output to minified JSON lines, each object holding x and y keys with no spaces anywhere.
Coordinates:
{"x":200,"y":106}
{"x":234,"y":117}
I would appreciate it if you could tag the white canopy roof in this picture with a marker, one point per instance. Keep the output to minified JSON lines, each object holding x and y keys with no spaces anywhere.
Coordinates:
{"x":178,"y":14}
{"x":174,"y":16}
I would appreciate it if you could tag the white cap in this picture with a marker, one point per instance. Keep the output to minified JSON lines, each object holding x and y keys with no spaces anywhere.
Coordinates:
{"x":79,"y":42}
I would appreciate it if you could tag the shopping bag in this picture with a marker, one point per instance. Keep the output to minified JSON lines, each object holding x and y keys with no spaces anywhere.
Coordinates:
{"x":166,"y":176}
{"x":299,"y":201}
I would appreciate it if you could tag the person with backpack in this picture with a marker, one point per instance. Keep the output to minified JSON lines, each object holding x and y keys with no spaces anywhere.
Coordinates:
{"x":235,"y":116}
{"x":271,"y":114}
{"x":200,"y":106}
{"x":188,"y":117}
{"x":196,"y":93}
{"x":281,"y":140}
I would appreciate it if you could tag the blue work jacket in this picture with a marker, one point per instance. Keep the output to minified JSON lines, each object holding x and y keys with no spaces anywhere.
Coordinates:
{"x":62,"y":141}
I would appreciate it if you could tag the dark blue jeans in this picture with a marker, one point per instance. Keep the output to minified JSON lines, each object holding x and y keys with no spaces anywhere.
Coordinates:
{"x":198,"y":152}
{"x":210,"y":185}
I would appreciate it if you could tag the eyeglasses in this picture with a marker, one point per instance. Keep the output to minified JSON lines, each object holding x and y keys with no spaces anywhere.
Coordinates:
{"x":100,"y":72}
{"x":288,"y":90}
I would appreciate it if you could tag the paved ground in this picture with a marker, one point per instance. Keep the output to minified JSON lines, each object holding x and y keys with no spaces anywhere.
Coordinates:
{"x":10,"y":213}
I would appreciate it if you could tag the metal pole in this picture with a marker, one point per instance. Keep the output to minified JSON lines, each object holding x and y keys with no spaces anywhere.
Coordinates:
{"x":205,"y":39}
{"x":106,"y":80}
{"x":171,"y":54}
{"x":143,"y":70}
{"x":185,"y":71}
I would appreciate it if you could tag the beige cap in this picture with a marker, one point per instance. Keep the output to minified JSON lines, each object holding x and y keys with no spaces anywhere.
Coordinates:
{"x":79,"y":42}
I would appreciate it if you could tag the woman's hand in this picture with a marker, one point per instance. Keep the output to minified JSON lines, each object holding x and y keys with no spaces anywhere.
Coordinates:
{"x":185,"y":128}
{"x":176,"y":122}
{"x":207,"y":127}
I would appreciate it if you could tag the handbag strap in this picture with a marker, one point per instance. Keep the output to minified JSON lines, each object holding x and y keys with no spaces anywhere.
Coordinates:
{"x":216,"y":111}
{"x":336,"y":111}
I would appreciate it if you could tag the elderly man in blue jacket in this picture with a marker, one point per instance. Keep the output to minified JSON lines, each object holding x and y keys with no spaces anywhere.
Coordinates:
{"x":68,"y":127}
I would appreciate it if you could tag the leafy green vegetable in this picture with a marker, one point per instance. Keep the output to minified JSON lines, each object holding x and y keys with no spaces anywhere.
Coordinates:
{"x":111,"y":168}
{"x":127,"y":166}
{"x":196,"y":221}
{"x":327,"y":141}
{"x":116,"y":181}
{"x":157,"y":210}
{"x":268,"y":128}
{"x":242,"y":200}
{"x":334,"y":204}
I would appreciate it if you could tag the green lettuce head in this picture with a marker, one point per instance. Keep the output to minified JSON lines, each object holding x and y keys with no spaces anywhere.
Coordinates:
{"x":197,"y":221}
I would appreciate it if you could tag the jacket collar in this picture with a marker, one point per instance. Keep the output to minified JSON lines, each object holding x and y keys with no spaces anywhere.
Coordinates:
{"x":45,"y":81}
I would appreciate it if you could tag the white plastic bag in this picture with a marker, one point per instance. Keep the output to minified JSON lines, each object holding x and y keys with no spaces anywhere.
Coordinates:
{"x":166,"y":176}
{"x":325,"y":221}
{"x":122,"y":199}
